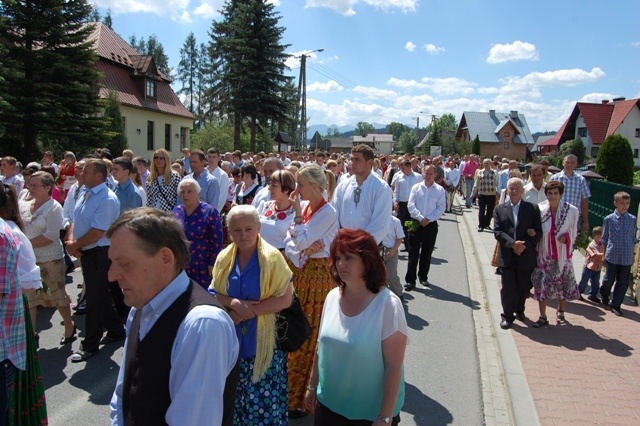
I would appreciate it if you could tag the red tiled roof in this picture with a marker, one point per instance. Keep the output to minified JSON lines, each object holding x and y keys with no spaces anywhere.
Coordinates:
{"x":119,"y":78}
{"x":622,"y":109}
{"x":123,"y":68}
{"x":553,"y":141}
{"x":596,"y":118}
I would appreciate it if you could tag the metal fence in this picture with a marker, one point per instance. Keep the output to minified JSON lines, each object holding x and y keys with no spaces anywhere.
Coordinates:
{"x":601,"y":201}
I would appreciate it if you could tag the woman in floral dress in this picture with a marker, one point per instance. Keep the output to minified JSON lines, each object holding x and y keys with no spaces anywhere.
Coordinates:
{"x":202,"y":226}
{"x":276,"y":215}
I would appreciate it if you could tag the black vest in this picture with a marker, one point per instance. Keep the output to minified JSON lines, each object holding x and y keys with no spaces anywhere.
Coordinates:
{"x":145,"y":395}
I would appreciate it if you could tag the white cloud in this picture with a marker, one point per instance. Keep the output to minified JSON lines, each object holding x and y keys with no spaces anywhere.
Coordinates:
{"x":405,"y":84}
{"x":208,"y":9}
{"x":449,"y":86}
{"x":293,"y":61}
{"x":175,"y":9}
{"x":345,"y":7}
{"x":375,"y":93}
{"x":596,"y":98}
{"x":636,"y":43}
{"x":432,"y":49}
{"x":488,"y":90}
{"x":516,"y":51}
{"x":329,"y":86}
{"x":410,"y":46}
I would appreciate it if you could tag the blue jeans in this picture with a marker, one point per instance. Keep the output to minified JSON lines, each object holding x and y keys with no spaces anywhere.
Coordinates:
{"x":469,"y":189}
{"x":618,"y":274}
{"x":594,"y":277}
{"x":6,"y":380}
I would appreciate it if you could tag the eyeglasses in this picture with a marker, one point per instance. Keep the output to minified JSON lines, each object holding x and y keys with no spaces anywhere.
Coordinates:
{"x":158,"y":158}
{"x":356,"y":195}
{"x":33,"y":185}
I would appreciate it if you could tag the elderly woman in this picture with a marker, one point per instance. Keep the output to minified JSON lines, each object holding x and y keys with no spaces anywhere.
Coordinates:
{"x":246,"y":192}
{"x":276,"y":215}
{"x":11,"y":174}
{"x":162,"y":186}
{"x":251,"y":279}
{"x":43,"y":220}
{"x":307,"y":249}
{"x":553,"y":277}
{"x":361,"y":320}
{"x":202,"y":226}
{"x":67,"y":173}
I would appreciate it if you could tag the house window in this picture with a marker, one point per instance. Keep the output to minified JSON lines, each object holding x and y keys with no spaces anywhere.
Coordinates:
{"x":635,"y":153}
{"x":183,"y":137}
{"x":150,"y":89}
{"x":582,"y":132}
{"x":167,"y":137}
{"x":124,"y":124}
{"x":594,"y":151}
{"x":637,"y":133}
{"x":507,"y":134}
{"x":150,"y":136}
{"x":505,"y":144}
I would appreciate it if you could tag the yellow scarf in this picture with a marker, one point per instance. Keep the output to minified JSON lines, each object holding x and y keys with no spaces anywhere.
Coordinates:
{"x":275,"y":276}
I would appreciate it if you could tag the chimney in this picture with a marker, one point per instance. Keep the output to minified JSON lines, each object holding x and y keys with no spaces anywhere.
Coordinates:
{"x":605,"y":101}
{"x":620,"y":99}
{"x":513,"y":114}
{"x":492,"y":112}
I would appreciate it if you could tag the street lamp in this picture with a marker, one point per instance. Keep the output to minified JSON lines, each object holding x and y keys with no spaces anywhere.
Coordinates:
{"x":301,"y":104}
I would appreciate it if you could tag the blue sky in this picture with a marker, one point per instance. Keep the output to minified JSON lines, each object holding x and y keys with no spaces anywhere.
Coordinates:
{"x":395,"y":60}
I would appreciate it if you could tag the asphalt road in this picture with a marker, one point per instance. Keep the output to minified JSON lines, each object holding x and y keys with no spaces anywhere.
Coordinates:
{"x":441,"y":363}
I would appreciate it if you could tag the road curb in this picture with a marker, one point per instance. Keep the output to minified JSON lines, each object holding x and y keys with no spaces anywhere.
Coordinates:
{"x":506,"y":395}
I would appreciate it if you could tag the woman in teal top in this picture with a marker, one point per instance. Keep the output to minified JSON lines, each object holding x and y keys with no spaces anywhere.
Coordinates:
{"x":357,"y":375}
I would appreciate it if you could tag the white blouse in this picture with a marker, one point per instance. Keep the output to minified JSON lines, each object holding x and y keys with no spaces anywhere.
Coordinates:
{"x":323,"y":225}
{"x":46,"y":221}
{"x":274,"y":223}
{"x":27,"y":269}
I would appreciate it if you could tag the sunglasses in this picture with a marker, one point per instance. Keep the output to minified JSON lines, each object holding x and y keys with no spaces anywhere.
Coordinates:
{"x":356,"y":195}
{"x":158,"y":158}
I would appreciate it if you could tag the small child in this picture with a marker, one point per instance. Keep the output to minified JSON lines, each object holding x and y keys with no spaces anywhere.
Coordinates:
{"x":593,"y":266}
{"x":391,"y":243}
{"x":619,"y":236}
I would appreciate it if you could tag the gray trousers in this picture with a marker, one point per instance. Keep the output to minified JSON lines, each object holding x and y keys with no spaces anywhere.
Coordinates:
{"x":393,"y":281}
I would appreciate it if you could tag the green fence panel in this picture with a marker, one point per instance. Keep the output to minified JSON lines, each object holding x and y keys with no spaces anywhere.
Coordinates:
{"x":601,"y":201}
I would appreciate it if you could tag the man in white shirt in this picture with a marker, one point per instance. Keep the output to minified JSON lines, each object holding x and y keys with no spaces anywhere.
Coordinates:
{"x":285,"y":160}
{"x":213,"y":166}
{"x":451,"y":180}
{"x":362,"y":201}
{"x":402,"y":183}
{"x":426,"y":205}
{"x":534,"y":190}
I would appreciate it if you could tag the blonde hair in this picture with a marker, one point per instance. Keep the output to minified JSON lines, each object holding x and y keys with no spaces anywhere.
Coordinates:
{"x":153,"y":171}
{"x":331,"y":183}
{"x":314,"y":174}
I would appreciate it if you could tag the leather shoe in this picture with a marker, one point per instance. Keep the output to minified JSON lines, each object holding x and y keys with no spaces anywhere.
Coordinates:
{"x":70,"y":339}
{"x":424,"y":283}
{"x":81,"y":356}
{"x":110,"y":339}
{"x":410,"y":286}
{"x":521,"y":317}
{"x":505,"y":325}
{"x":480,"y":228}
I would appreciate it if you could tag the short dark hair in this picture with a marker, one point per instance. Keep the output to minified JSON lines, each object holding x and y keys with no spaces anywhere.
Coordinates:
{"x":124,"y":162}
{"x":285,"y":179}
{"x":213,"y":150}
{"x":554,"y":184}
{"x":99,"y":166}
{"x":199,"y":153}
{"x":364,"y":245}
{"x":140,"y":159}
{"x":365,"y":150}
{"x":155,"y":229}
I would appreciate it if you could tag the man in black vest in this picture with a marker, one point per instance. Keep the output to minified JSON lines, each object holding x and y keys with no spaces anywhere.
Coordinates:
{"x":179,"y":362}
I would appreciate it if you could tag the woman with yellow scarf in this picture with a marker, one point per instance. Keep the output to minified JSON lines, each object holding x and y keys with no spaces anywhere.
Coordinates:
{"x":252,"y":280}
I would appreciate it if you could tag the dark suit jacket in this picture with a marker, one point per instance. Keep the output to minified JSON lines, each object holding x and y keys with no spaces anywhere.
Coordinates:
{"x":528,"y":218}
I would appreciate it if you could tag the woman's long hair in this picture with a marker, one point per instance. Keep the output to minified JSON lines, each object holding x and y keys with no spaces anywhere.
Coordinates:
{"x":153,"y":174}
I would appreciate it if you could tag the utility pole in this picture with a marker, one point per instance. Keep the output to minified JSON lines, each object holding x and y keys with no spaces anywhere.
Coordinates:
{"x":301,"y":104}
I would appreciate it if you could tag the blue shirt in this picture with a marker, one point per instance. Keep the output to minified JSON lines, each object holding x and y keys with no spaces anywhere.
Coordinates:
{"x":209,"y":188}
{"x":619,"y":238}
{"x":205,"y":349}
{"x":575,"y":189}
{"x":97,"y":209}
{"x":127,"y":196}
{"x":245,"y":284}
{"x":187,"y":164}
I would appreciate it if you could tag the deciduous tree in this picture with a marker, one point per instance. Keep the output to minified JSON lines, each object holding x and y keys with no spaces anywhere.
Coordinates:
{"x":615,"y":160}
{"x":363,"y":128}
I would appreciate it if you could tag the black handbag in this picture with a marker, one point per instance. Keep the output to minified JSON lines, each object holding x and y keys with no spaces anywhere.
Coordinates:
{"x":292,"y":326}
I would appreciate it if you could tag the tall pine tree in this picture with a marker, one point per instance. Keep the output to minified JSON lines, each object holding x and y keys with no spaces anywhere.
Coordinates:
{"x":248,"y":65}
{"x":51,"y":78}
{"x":188,"y":70}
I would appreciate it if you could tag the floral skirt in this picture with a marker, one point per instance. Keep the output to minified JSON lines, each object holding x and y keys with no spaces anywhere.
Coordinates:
{"x":54,"y":293}
{"x":27,"y":403}
{"x":265,"y":402}
{"x":312,"y":284}
{"x":549,"y":282}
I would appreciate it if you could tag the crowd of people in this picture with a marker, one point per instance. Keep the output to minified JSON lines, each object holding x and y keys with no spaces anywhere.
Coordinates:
{"x":174,"y":251}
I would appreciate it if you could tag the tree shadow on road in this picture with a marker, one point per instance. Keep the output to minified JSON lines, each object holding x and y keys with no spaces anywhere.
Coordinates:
{"x":425,"y":411}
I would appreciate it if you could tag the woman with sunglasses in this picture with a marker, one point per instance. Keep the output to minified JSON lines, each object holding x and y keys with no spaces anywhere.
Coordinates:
{"x":307,"y":250}
{"x":162,"y":186}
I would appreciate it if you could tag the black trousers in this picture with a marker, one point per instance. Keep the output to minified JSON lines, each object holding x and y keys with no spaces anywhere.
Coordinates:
{"x":486,"y":203}
{"x":101,"y":313}
{"x":324,"y":416}
{"x":421,"y":244}
{"x":403,"y":215}
{"x":516,"y":284}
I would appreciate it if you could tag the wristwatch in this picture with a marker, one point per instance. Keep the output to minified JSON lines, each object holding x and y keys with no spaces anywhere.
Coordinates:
{"x":387,"y":420}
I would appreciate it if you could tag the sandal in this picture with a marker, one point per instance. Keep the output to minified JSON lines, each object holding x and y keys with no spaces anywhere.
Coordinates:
{"x":560,"y":317}
{"x":542,"y":321}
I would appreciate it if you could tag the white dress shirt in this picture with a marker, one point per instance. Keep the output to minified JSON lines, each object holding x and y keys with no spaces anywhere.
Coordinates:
{"x":402,"y":185}
{"x":223,"y":181}
{"x":427,"y":202}
{"x":532,"y":195}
